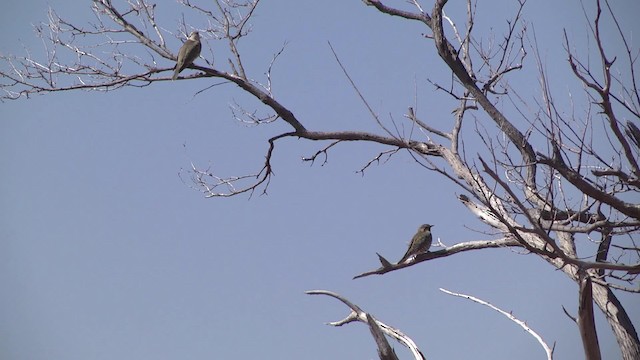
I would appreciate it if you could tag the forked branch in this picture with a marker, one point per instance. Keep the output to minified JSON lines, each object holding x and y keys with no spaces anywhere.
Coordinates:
{"x":357,"y":314}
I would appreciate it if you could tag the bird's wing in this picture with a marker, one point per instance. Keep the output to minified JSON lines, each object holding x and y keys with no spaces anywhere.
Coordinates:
{"x":406,"y":255}
{"x":193,"y":53}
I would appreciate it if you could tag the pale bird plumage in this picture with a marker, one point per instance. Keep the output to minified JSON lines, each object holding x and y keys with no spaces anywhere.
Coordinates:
{"x":188,"y":53}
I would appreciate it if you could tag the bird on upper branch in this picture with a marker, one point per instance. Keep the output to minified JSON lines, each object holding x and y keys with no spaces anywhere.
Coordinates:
{"x":421,"y":242}
{"x":189,"y":51}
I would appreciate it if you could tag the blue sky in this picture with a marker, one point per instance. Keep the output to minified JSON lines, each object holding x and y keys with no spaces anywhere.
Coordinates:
{"x":106,"y":253}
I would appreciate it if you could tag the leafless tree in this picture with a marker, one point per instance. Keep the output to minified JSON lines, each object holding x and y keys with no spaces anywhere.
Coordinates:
{"x":547,"y":183}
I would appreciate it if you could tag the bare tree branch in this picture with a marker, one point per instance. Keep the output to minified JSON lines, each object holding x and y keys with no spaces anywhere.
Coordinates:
{"x":586,"y":321}
{"x":548,"y":350}
{"x":357,"y":314}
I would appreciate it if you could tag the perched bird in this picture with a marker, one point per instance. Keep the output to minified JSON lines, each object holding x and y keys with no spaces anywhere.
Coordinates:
{"x":421,"y":242}
{"x":633,"y":133}
{"x":189,"y":51}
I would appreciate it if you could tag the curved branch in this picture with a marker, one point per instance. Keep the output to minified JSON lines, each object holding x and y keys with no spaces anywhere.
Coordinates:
{"x":450,"y":57}
{"x":357,"y":314}
{"x":422,"y":17}
{"x":548,"y":350}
